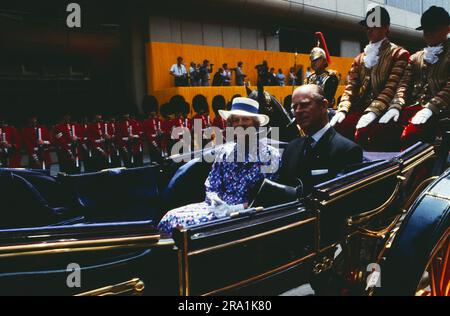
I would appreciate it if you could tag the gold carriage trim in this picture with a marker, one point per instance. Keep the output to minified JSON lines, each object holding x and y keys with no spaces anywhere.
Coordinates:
{"x":132,"y":287}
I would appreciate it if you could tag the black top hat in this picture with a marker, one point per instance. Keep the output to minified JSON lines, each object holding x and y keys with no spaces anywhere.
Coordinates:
{"x":433,"y":17}
{"x":150,"y":104}
{"x":218,"y":103}
{"x":385,"y":18}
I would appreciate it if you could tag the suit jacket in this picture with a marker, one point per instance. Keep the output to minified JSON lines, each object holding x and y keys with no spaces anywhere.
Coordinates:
{"x":327,"y":158}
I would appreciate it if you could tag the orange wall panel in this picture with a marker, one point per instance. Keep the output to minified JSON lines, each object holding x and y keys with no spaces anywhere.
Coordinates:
{"x":161,"y":56}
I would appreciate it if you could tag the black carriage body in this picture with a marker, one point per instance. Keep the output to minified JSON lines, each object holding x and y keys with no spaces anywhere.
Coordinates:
{"x":258,"y":251}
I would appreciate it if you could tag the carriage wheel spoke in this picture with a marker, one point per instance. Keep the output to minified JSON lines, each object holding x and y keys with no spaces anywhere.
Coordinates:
{"x":433,"y":280}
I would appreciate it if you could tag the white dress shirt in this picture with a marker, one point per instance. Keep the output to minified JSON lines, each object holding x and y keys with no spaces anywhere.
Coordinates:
{"x":178,"y":71}
{"x":317,"y":136}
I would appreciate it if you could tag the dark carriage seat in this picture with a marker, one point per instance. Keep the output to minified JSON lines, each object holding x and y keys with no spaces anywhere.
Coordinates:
{"x":46,"y":185}
{"x":116,"y":194}
{"x":27,"y":201}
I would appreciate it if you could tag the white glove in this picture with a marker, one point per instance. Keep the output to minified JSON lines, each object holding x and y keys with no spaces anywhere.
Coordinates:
{"x":366,"y":119}
{"x":338,"y":118}
{"x":422,"y":117}
{"x":392,"y":114}
{"x":216,"y":201}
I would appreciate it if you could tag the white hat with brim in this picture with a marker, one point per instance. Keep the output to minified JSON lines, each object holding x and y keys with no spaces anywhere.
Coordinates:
{"x":245,"y":107}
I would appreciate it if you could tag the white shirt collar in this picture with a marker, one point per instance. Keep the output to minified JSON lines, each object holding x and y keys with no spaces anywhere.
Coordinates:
{"x":371,"y":53}
{"x":317,"y":136}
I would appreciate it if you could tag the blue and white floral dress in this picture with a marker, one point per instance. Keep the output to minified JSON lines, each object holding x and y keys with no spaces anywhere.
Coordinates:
{"x":229,"y":181}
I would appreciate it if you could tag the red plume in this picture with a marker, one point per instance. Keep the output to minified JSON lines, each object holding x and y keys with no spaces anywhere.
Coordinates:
{"x":323,"y":44}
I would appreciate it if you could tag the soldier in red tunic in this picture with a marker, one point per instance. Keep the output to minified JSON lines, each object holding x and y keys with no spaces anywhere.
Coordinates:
{"x":37,"y":142}
{"x":67,"y":139}
{"x":219,"y":103}
{"x":129,"y":136}
{"x":179,"y":124}
{"x":165,"y":111}
{"x":10,"y":144}
{"x":201,"y":109}
{"x":202,"y":119}
{"x":152,"y":127}
{"x":112,"y":143}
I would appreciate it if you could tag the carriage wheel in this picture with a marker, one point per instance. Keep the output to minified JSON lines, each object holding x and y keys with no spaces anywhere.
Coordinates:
{"x":436,"y":278}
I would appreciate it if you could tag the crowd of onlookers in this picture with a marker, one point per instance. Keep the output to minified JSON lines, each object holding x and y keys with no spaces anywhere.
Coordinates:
{"x":203,"y":75}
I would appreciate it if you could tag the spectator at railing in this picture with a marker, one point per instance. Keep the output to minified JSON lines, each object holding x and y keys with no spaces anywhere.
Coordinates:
{"x":205,"y":71}
{"x":281,"y":78}
{"x":272,"y":78}
{"x":240,"y":76}
{"x":292,"y":77}
{"x":194,"y":74}
{"x":226,"y":75}
{"x":218,"y":78}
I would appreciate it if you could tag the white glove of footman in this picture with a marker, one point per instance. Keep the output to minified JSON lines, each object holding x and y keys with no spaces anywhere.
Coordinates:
{"x":366,"y":119}
{"x":422,"y":117}
{"x":338,"y":118}
{"x":392,"y":114}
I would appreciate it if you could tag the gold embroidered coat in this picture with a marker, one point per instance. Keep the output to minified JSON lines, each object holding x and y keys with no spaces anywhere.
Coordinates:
{"x":373,"y":89}
{"x":425,"y":84}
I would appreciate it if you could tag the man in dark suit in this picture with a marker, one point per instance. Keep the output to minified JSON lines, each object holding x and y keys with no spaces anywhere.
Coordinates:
{"x":323,"y":153}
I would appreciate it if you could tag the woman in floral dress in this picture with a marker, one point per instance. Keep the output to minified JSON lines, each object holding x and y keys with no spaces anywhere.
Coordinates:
{"x":232,"y":176}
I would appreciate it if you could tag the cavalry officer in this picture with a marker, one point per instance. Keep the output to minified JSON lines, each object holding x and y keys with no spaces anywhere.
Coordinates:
{"x":373,"y":81}
{"x":67,"y":138}
{"x":129,"y":139}
{"x":10,"y":145}
{"x":424,"y":91}
{"x":327,"y":79}
{"x":99,"y":153}
{"x":37,"y":142}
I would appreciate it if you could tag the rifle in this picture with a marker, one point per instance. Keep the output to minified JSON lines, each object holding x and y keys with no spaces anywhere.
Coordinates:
{"x":108,"y":143}
{"x":39,"y":155}
{"x":130,"y":143}
{"x":4,"y":160}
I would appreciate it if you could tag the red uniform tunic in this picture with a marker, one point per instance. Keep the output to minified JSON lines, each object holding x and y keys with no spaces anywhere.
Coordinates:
{"x":63,"y":139}
{"x":10,"y":156}
{"x":31,"y":137}
{"x":96,"y":137}
{"x":179,"y":122}
{"x":125,"y":132}
{"x":220,"y":122}
{"x":206,"y":122}
{"x":152,"y":126}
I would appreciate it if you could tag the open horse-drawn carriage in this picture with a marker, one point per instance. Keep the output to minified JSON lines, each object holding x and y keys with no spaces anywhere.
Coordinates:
{"x":94,"y":234}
